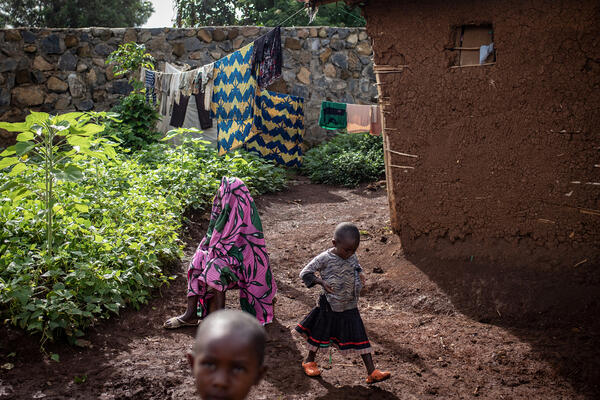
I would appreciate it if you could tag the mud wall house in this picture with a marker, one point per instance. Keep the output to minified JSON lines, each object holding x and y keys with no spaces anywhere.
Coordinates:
{"x":508,"y":147}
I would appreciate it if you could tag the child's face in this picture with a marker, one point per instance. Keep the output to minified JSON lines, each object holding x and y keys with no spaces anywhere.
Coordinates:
{"x":345,"y":249}
{"x":225,"y":368}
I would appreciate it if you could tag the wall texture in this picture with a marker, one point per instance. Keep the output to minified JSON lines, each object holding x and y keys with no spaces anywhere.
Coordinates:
{"x":508,"y":166}
{"x":56,"y":70}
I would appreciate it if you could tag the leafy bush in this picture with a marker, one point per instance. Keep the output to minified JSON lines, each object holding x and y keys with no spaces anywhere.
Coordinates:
{"x":137,"y":126}
{"x":347,"y":159}
{"x":112,"y":244}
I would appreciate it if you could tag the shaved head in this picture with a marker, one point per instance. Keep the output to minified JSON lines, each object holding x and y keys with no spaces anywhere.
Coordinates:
{"x":346,"y":232}
{"x":237,"y":325}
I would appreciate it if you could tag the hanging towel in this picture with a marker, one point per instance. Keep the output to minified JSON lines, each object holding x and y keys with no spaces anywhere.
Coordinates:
{"x":267,"y":58}
{"x":333,"y":115}
{"x":149,"y":81}
{"x":208,"y":80}
{"x":359,"y":118}
{"x":485,"y":51}
{"x":233,"y":254}
{"x":233,"y":99}
{"x":279,"y":122}
{"x":375,"y":121}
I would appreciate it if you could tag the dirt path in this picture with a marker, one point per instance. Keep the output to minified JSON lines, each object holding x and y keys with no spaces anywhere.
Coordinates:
{"x":432,"y":349}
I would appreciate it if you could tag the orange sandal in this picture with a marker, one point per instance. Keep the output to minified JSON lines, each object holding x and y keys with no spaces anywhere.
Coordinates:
{"x":311,"y":369}
{"x":378,"y":376}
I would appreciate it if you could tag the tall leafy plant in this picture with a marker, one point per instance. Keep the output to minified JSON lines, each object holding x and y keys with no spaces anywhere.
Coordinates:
{"x":51,"y":147}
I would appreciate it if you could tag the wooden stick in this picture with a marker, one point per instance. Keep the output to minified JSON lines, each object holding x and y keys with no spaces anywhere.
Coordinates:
{"x":402,"y":154}
{"x":463,"y":48}
{"x":401,"y":166}
{"x":472,"y":65}
{"x":580,"y":262}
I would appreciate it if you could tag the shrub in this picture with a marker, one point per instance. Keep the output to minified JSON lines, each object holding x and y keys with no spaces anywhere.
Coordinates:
{"x":136,"y":127}
{"x":347,"y":160}
{"x":118,"y":230}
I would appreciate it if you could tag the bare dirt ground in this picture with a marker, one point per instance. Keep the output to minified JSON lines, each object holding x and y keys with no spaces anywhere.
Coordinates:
{"x":431,"y":347}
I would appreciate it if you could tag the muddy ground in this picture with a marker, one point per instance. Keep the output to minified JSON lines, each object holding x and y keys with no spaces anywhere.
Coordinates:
{"x":433,"y":347}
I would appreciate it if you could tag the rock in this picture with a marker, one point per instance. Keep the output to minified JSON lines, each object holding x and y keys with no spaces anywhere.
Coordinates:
{"x":190,"y":32}
{"x":288,"y":75}
{"x":330,"y":70}
{"x":340,"y":60}
{"x":62,"y":103}
{"x":288,"y":60}
{"x":159,"y":44}
{"x":85,"y":105}
{"x":28,"y":95}
{"x":84,"y":50}
{"x":174,"y":34}
{"x":28,"y":37}
{"x":250,"y":31}
{"x":10,"y":80}
{"x":314,"y":44}
{"x":4,"y":97}
{"x":50,"y":98}
{"x":347,"y":98}
{"x":300,"y":90}
{"x":226,"y":46}
{"x":76,"y":86}
{"x":304,"y":57}
{"x":303,"y":33}
{"x":179,"y":49}
{"x":121,"y":86}
{"x":192,"y":44}
{"x":56,"y":85}
{"x":365,"y":60}
{"x":91,"y":77}
{"x":362,"y":35}
{"x":293,"y":43}
{"x":30,"y":48}
{"x":52,"y":44}
{"x":364,"y":48}
{"x":156,"y":31}
{"x":343,"y":33}
{"x":23,"y":76}
{"x":378,"y":270}
{"x":233,"y":33}
{"x":345,"y":74}
{"x":130,"y":35}
{"x":304,"y":76}
{"x":99,"y":62}
{"x":84,"y":36}
{"x":205,"y":35}
{"x":110,"y":73}
{"x":214,"y":54}
{"x":238,"y":42}
{"x":38,"y":77}
{"x":102,"y":33}
{"x":144,"y":36}
{"x":81,"y":67}
{"x":40,"y":64}
{"x":71,"y":41}
{"x":99,"y":96}
{"x":338,"y":84}
{"x":219,"y":35}
{"x":324,"y":56}
{"x":9,"y":64}
{"x":323,"y":33}
{"x":102,"y":49}
{"x":67,"y":62}
{"x":365,"y":85}
{"x":352,"y":39}
{"x":354,"y":63}
{"x":368,"y":71}
{"x":336,"y":44}
{"x":12,"y":35}
{"x":313,"y":32}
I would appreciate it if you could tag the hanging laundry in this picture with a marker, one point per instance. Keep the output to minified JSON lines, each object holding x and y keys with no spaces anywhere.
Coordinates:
{"x":485,"y":51}
{"x":359,"y":118}
{"x":279,"y":121}
{"x":333,"y":115}
{"x":233,"y":99}
{"x":375,"y":121}
{"x":180,"y":109}
{"x":149,"y":82}
{"x":267,"y":58}
{"x":208,"y":80}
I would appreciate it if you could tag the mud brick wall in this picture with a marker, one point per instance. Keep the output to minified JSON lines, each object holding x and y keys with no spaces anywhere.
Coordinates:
{"x":509,"y":154}
{"x":56,"y":70}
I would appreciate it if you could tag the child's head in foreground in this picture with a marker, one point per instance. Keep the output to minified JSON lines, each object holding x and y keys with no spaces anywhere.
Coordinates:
{"x":346,"y":239}
{"x":228,"y":355}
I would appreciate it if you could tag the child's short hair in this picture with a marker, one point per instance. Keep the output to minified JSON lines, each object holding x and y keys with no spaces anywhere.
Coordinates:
{"x":346,"y":232}
{"x":229,"y":321}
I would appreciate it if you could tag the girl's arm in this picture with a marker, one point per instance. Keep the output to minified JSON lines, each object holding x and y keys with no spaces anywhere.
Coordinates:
{"x":309,"y":277}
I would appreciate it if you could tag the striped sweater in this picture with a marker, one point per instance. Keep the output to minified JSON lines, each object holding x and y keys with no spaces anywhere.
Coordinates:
{"x":342,"y":275}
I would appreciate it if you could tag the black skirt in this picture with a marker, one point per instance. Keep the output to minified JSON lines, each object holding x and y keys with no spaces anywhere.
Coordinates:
{"x":344,"y":330}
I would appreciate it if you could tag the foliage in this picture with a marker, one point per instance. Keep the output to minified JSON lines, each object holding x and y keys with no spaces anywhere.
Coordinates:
{"x":136,"y":127}
{"x":112,"y":247}
{"x":130,"y":57}
{"x":75,"y":13}
{"x":51,"y":146}
{"x":262,"y":12}
{"x":347,"y":159}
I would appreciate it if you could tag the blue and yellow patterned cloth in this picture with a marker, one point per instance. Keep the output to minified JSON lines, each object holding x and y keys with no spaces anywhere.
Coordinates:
{"x":279,"y":126}
{"x":233,"y":99}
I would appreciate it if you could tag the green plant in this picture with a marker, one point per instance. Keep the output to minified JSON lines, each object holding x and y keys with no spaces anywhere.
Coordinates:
{"x":347,"y":159}
{"x":51,"y":146}
{"x":136,"y":127}
{"x":129,"y":58}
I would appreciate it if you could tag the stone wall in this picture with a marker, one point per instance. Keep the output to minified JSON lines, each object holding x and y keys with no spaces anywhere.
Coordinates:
{"x":56,"y":70}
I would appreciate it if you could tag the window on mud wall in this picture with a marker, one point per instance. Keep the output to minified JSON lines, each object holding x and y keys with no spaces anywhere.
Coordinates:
{"x":474,"y":45}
